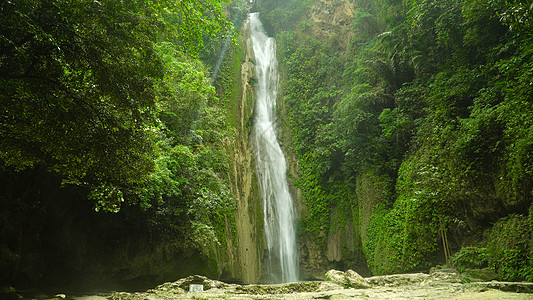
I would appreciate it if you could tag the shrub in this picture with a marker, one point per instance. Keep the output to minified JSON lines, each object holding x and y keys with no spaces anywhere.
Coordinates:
{"x":508,"y":248}
{"x":470,"y":258}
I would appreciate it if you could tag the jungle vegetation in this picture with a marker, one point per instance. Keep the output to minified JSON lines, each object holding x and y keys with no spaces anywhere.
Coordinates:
{"x":108,"y":101}
{"x":419,"y":131}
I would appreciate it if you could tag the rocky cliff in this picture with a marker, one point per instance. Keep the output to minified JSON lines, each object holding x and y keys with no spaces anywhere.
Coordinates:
{"x":340,"y":244}
{"x":247,"y":251}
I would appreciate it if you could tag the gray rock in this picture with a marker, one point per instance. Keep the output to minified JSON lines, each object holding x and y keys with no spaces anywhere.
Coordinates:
{"x":355,"y":280}
{"x":348,"y":279}
{"x":447,"y":274}
{"x":336,"y":276}
{"x":516,"y":287}
{"x":183,"y":284}
{"x":399,"y":279}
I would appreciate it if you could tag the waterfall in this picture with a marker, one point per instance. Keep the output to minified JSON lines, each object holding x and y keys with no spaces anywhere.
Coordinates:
{"x":278,"y":207}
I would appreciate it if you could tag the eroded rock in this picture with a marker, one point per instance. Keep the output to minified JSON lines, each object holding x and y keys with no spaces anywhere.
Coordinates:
{"x":182,"y":285}
{"x":276,"y":289}
{"x":439,"y":284}
{"x":516,"y":287}
{"x":399,"y":279}
{"x":349,"y":279}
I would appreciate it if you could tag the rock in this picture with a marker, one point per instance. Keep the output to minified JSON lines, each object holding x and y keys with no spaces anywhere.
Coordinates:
{"x":328,"y":286}
{"x":183,"y":284}
{"x":446,"y":274}
{"x":516,"y":287}
{"x":350,"y":279}
{"x":277,"y":289}
{"x":336,"y":276}
{"x":477,"y":275}
{"x":355,"y":280}
{"x":399,"y":286}
{"x":399,"y":279}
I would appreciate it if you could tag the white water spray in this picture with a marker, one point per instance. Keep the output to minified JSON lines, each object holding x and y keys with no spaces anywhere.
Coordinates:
{"x":278,"y":207}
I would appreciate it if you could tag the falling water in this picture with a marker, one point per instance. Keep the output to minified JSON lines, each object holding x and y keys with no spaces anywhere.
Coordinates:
{"x":278,"y":208}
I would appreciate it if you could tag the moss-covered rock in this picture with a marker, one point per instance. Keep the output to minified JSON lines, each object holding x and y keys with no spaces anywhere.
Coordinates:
{"x":478,"y":275}
{"x":276,"y":289}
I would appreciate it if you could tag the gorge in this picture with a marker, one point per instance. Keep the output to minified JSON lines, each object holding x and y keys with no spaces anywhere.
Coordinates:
{"x":142,"y":142}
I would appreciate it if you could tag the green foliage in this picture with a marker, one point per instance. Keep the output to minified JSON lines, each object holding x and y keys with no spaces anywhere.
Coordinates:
{"x":80,"y":81}
{"x":382,"y":246}
{"x":281,"y":15}
{"x":510,"y":247}
{"x":434,"y":100}
{"x":185,"y":195}
{"x":108,"y":96}
{"x":407,"y":237}
{"x":515,"y":14}
{"x":470,"y":258}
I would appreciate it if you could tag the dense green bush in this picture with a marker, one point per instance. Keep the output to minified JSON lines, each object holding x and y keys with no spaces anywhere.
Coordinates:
{"x":509,"y":248}
{"x":470,"y":258}
{"x":435,"y":99}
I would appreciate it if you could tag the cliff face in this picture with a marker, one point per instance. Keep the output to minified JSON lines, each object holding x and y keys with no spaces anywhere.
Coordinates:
{"x":247,"y":254}
{"x":340,"y":245}
{"x":332,"y":19}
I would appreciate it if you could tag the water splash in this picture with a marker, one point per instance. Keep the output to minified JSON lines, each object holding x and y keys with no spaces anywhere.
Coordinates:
{"x":278,"y":207}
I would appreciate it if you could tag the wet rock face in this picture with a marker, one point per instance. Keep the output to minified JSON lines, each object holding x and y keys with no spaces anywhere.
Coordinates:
{"x":246,"y":252}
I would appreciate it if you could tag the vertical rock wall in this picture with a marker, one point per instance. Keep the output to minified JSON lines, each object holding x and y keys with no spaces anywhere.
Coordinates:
{"x":248,"y":249}
{"x":340,"y":246}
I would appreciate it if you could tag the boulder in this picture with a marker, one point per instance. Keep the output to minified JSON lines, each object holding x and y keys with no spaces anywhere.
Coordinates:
{"x":355,"y":280}
{"x":348,"y":279}
{"x":336,"y":276}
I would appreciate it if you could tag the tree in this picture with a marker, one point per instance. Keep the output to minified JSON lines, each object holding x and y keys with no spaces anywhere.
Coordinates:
{"x":79,"y":80}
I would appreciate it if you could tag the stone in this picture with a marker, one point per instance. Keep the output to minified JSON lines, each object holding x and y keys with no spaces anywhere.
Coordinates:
{"x":336,"y":276}
{"x":278,"y":289}
{"x":398,"y":279}
{"x":445,"y":274}
{"x":478,"y":275}
{"x":515,"y":287}
{"x":348,"y":279}
{"x":355,"y":280}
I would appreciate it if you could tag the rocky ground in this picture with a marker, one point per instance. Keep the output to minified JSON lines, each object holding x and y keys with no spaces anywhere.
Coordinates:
{"x":438,"y":284}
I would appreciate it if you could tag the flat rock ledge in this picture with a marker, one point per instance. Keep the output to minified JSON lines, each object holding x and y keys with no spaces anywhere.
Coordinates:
{"x":441,"y":284}
{"x":516,"y":287}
